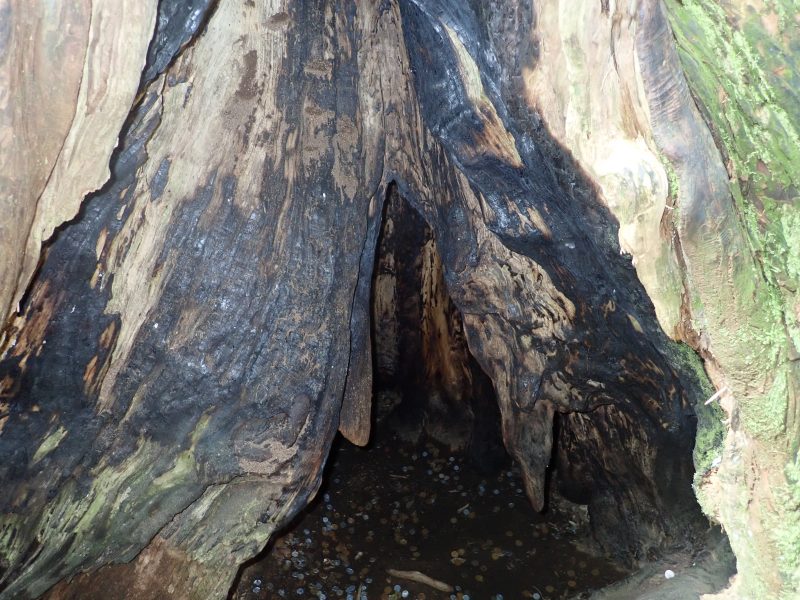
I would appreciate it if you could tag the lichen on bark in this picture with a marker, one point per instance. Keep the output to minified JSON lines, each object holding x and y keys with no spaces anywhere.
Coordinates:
{"x":740,"y":60}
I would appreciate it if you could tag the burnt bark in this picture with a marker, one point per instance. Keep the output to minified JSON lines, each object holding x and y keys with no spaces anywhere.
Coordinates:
{"x":426,"y":380}
{"x":195,"y":338}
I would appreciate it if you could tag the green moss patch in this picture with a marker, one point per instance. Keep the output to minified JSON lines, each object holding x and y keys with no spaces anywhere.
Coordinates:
{"x":786,"y":529}
{"x":742,"y":66}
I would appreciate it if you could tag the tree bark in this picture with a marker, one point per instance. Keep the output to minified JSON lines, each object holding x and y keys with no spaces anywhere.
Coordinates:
{"x":194,"y":339}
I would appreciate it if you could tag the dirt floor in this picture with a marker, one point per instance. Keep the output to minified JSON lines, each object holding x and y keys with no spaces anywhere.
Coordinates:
{"x":694,"y":574}
{"x":398,"y":507}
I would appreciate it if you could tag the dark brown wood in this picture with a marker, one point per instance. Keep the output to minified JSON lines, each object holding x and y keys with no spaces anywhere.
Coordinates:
{"x":193,"y":341}
{"x":427,"y":380}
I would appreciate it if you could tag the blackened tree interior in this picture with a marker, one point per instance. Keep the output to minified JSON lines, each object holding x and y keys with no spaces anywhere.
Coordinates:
{"x":235,"y":220}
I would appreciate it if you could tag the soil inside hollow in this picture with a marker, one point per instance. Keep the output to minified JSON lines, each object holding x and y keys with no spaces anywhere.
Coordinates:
{"x":406,"y":507}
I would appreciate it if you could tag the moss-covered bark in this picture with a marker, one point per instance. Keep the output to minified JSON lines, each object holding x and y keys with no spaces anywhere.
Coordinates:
{"x":741,"y":60}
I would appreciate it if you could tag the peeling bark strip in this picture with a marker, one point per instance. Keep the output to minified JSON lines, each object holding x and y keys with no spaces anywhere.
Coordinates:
{"x":193,"y":341}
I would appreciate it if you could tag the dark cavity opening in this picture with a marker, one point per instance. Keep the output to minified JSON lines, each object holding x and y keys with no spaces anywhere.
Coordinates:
{"x":427,"y":385}
{"x":434,"y":492}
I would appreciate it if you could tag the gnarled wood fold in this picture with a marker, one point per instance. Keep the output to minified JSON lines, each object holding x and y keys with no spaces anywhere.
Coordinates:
{"x":192,"y":343}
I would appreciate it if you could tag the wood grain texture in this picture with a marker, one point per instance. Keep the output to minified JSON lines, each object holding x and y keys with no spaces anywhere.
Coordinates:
{"x":68,"y":74}
{"x":586,"y":84}
{"x":739,"y":301}
{"x":681,"y":113}
{"x":428,"y":382}
{"x":192,"y":343}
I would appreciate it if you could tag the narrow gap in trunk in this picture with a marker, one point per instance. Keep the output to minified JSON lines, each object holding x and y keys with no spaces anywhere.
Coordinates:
{"x":434,"y":494}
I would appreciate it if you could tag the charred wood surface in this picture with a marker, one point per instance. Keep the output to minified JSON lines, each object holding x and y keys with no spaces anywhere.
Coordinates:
{"x":427,"y":383}
{"x":195,"y":338}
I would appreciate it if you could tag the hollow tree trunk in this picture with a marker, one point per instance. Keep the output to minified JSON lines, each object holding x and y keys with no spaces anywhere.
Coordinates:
{"x":426,"y":380}
{"x":193,"y":340}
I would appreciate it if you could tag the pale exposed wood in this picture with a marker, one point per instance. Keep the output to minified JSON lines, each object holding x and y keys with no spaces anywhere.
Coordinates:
{"x":418,"y":577}
{"x":206,"y":315}
{"x":586,"y":85}
{"x":68,"y":76}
